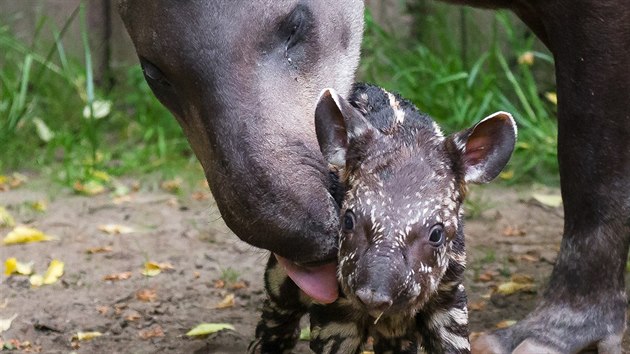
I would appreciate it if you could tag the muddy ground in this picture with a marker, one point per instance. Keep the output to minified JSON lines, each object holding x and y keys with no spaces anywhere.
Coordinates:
{"x":509,"y":235}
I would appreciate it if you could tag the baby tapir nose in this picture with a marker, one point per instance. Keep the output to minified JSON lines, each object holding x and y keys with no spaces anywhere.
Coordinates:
{"x":376,"y":301}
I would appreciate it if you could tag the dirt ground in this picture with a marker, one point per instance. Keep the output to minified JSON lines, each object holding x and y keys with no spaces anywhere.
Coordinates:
{"x":509,"y":236}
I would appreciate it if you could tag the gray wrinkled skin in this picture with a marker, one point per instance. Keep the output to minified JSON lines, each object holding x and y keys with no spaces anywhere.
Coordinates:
{"x":243,"y":89}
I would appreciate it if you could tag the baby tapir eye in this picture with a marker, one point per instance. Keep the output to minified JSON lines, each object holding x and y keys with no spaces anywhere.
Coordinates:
{"x":436,"y":235}
{"x":348,"y":221}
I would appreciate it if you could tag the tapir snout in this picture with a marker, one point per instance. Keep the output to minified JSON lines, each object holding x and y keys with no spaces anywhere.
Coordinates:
{"x":242,"y":79}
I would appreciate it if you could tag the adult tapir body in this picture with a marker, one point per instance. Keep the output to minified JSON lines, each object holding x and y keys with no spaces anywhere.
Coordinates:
{"x":242,"y":77}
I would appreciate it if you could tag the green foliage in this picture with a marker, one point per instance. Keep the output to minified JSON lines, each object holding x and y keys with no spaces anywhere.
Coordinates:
{"x":55,"y":117}
{"x":457,"y":91}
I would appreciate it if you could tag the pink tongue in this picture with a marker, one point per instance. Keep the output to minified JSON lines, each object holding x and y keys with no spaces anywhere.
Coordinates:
{"x":320,"y":282}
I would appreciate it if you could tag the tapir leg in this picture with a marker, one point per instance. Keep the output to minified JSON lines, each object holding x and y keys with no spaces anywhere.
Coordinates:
{"x":585,"y":302}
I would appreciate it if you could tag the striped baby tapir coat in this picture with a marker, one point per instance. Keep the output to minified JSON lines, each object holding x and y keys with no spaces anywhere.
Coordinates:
{"x":401,"y":256}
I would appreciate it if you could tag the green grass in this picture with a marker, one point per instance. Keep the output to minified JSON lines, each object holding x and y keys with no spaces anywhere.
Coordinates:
{"x":52,"y":115}
{"x":51,"y":107}
{"x":458,"y":89}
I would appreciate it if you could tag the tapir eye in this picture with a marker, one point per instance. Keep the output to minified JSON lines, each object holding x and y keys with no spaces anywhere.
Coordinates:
{"x":296,"y":25}
{"x":436,"y":235}
{"x":153,"y":74}
{"x":348,"y":221}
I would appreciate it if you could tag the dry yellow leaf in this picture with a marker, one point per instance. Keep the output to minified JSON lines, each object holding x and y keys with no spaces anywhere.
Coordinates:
{"x":152,"y":332}
{"x":209,"y":328}
{"x":152,"y":269}
{"x":118,"y":276}
{"x":172,"y":185}
{"x":89,"y":188}
{"x":83,"y":336}
{"x":36,"y":280}
{"x":550,"y":200}
{"x":39,"y":205}
{"x":12,"y":266}
{"x":93,"y":250}
{"x":228,"y":301}
{"x":5,"y":324}
{"x":552,"y":97}
{"x":115,"y":229}
{"x":54,"y":272}
{"x":24,"y":234}
{"x":146,"y":295}
{"x":512,"y":287}
{"x":6,"y":220}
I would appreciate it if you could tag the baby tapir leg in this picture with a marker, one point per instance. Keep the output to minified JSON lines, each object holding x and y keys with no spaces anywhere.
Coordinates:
{"x":336,"y":328}
{"x":443,"y":323}
{"x":403,"y":343}
{"x":279,"y":327}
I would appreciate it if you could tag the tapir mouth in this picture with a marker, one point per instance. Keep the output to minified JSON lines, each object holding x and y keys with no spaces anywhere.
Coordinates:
{"x":317,"y":281}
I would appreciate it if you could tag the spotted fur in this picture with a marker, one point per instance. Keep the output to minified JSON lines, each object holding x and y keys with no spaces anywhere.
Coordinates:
{"x":402,"y":179}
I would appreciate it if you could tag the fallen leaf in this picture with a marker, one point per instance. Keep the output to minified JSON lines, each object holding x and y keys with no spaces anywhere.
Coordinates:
{"x":115,"y":229}
{"x":219,"y":283}
{"x":42,"y":129}
{"x":239,"y":285}
{"x":89,"y":188}
{"x":512,"y":287}
{"x":505,"y":324}
{"x":12,"y":266}
{"x":94,"y":250}
{"x":209,"y":328}
{"x":522,"y":279}
{"x":39,"y":206}
{"x":477,"y":305}
{"x":83,"y":336}
{"x":506,"y":175}
{"x":550,"y":200}
{"x":6,"y":220}
{"x":17,"y":179}
{"x":152,"y":269}
{"x":513,"y":231}
{"x":528,"y":258}
{"x":146,"y":295}
{"x":54,"y":272}
{"x":172,"y":185}
{"x":103,"y":310}
{"x":134,"y":316}
{"x":487,"y":276}
{"x":152,"y":332}
{"x":305,"y":334}
{"x":552,"y":97}
{"x":24,"y":234}
{"x":122,"y":199}
{"x":198,"y":195}
{"x":36,"y":280}
{"x":5,"y":324}
{"x":118,"y":276}
{"x":228,"y":301}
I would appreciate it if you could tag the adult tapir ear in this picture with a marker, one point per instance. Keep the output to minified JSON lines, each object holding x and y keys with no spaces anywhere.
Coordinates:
{"x":485,"y":148}
{"x":337,"y":122}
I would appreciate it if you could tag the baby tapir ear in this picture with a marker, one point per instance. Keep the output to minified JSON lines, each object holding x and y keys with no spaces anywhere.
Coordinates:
{"x":336,"y":122}
{"x":486,"y":148}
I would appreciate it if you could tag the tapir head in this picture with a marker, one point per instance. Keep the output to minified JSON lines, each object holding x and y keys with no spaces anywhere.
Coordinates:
{"x":241,"y":77}
{"x":401,"y":226}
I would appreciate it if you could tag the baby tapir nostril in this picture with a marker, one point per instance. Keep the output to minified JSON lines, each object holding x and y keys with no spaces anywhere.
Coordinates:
{"x":374,"y":300}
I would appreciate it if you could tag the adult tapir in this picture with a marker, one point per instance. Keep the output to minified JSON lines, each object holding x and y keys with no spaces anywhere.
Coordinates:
{"x":242,"y":78}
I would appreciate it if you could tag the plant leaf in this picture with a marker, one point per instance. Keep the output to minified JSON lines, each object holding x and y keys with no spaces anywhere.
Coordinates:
{"x":5,"y":324}
{"x":24,"y":234}
{"x":209,"y":328}
{"x":5,"y":218}
{"x":54,"y":272}
{"x":115,"y":229}
{"x":12,"y":266}
{"x":83,"y":336}
{"x":550,"y":200}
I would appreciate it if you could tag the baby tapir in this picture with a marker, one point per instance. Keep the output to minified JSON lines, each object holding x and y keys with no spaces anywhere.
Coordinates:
{"x":401,"y":244}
